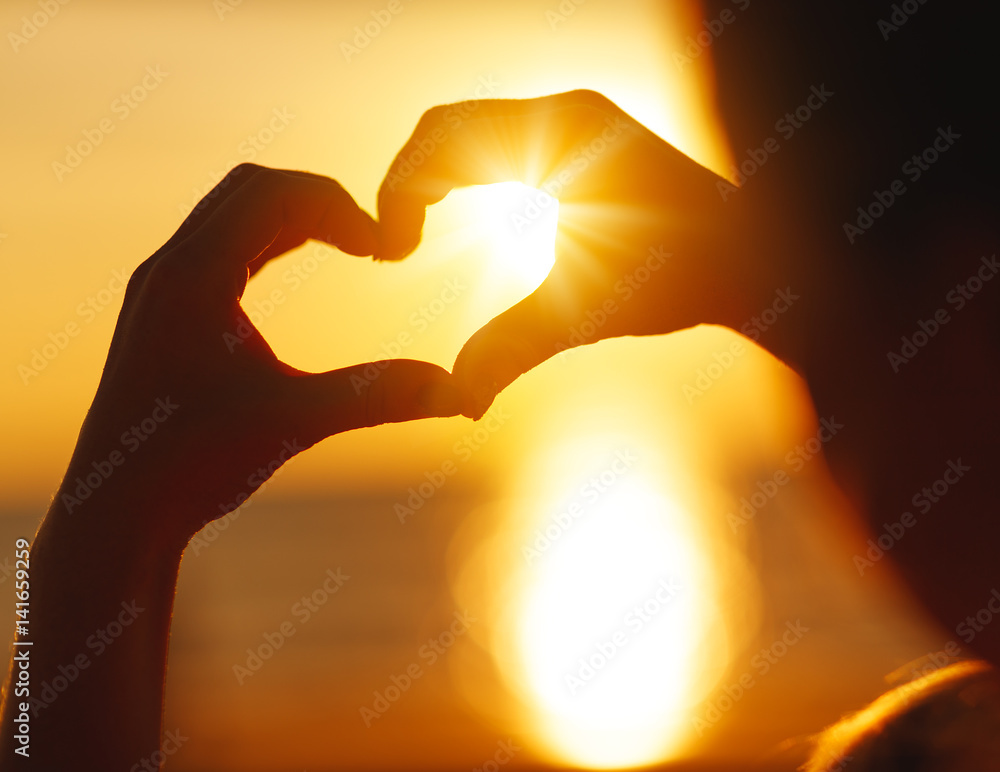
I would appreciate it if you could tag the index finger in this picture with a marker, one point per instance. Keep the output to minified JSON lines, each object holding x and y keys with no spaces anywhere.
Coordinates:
{"x":495,"y":140}
{"x":274,"y":211}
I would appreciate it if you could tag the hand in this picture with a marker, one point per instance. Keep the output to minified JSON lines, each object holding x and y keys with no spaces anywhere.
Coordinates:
{"x":646,"y":244}
{"x":192,"y":414}
{"x":194,"y":411}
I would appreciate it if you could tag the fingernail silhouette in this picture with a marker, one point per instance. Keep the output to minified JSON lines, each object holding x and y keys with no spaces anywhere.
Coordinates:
{"x":484,"y":391}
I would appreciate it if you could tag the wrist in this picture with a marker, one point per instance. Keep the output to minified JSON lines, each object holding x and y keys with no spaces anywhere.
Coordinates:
{"x":89,"y":516}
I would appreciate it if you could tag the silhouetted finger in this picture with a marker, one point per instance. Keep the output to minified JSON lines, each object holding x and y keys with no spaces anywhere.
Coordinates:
{"x":285,"y":244}
{"x":388,"y":391}
{"x":511,"y":344}
{"x":548,"y":139}
{"x":274,"y":211}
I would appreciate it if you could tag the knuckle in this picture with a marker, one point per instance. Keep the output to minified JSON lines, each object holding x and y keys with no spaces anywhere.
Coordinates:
{"x":595,"y":100}
{"x":139,"y":275}
{"x":431,"y":118}
{"x":245,"y":169}
{"x":592,"y":107}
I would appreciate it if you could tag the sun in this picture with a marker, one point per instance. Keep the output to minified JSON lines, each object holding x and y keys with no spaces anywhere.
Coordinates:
{"x":519,"y":222}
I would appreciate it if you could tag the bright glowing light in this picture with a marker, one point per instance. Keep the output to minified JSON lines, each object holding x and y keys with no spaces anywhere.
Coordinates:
{"x":587,"y":554}
{"x":520,"y":223}
{"x":614,"y":609}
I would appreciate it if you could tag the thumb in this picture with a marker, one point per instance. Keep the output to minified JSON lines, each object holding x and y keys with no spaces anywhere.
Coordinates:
{"x":400,"y":224}
{"x":522,"y":337}
{"x":387,"y":391}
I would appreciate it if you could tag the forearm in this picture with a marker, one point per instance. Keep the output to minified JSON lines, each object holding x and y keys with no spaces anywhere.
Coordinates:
{"x":101,"y":594}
